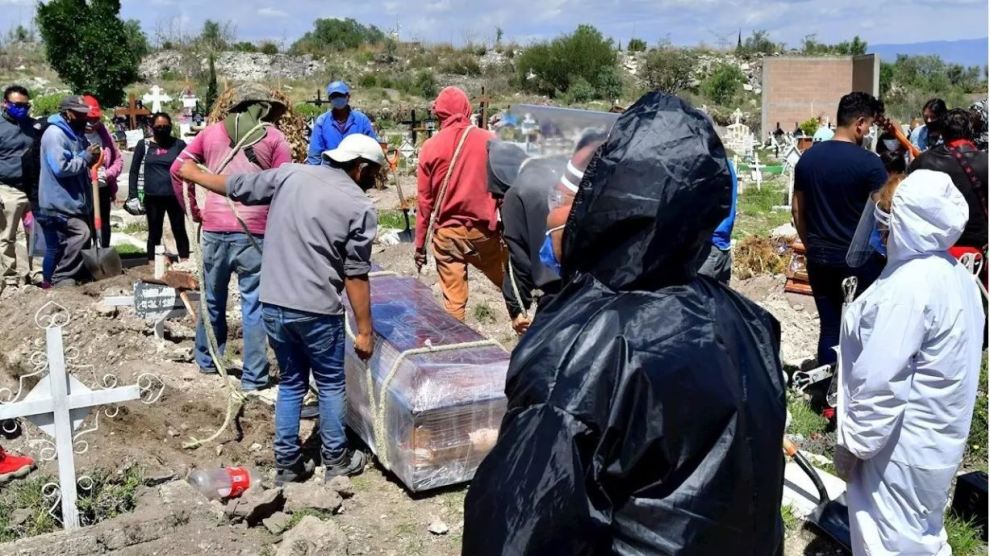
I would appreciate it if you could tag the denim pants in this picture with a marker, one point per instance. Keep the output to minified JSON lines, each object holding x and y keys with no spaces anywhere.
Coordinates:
{"x":826,"y":286}
{"x":303,"y":343}
{"x":225,"y":254}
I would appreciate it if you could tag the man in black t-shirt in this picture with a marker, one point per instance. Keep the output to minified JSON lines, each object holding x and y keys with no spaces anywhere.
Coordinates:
{"x":832,"y":183}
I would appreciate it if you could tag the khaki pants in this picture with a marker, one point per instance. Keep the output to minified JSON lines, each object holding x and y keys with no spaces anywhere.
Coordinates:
{"x":457,"y":247}
{"x":15,"y":204}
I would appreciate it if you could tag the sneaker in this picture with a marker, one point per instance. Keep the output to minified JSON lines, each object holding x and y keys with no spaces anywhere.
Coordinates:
{"x":296,"y":473}
{"x":208,"y":370}
{"x":351,"y":462}
{"x":14,"y":467}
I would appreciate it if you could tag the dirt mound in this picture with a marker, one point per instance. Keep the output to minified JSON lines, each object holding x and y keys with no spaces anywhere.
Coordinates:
{"x":796,"y":313}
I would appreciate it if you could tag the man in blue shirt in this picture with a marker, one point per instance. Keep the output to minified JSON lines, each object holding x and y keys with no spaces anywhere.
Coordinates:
{"x":331,"y":127}
{"x":716,"y":262}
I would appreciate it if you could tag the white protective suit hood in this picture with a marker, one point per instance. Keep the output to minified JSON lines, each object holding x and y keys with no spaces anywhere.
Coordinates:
{"x":928,"y":214}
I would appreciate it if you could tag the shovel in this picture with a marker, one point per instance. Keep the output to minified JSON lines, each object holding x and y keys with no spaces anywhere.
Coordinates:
{"x":101,"y":263}
{"x":405,"y":236}
{"x":830,"y":516}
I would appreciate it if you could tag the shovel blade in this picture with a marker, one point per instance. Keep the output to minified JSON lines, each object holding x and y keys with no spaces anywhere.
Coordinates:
{"x":102,"y":263}
{"x":832,"y":519}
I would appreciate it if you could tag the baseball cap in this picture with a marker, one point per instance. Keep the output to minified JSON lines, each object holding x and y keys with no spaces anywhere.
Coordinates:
{"x":73,"y":103}
{"x":95,"y":112}
{"x":338,"y":87}
{"x":357,"y":146}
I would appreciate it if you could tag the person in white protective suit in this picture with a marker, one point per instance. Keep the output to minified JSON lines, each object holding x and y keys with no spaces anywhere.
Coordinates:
{"x":909,"y":357}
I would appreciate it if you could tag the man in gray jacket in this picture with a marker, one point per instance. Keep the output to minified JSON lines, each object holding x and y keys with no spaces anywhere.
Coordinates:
{"x":64,"y":193}
{"x":17,"y":132}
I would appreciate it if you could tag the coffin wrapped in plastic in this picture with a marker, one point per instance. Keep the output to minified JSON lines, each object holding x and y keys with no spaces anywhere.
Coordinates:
{"x":437,"y":388}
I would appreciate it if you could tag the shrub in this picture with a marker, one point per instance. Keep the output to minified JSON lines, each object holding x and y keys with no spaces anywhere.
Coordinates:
{"x":668,"y":70}
{"x":723,"y":84}
{"x":636,"y":45}
{"x":580,"y":91}
{"x":334,"y":35}
{"x":425,"y":84}
{"x":269,"y":48}
{"x":547,"y":68}
{"x":307,"y":110}
{"x":609,"y":84}
{"x":245,"y":46}
{"x":809,"y":126}
{"x":45,"y":105}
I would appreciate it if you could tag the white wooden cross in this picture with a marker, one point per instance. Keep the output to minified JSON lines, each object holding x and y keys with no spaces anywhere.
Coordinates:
{"x":757,"y":171}
{"x":57,"y":405}
{"x":156,"y":98}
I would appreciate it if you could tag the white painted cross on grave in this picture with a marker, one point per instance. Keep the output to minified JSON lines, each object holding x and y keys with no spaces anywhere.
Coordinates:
{"x":57,"y":405}
{"x":156,"y":98}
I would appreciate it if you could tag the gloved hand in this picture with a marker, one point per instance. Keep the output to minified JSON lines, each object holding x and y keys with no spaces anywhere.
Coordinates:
{"x":845,"y":461}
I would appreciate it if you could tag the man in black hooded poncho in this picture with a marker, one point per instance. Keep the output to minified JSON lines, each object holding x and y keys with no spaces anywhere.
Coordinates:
{"x":646,"y":404}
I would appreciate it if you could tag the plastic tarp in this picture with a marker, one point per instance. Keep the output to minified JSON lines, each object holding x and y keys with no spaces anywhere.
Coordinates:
{"x":439,"y":412}
{"x":646,"y":404}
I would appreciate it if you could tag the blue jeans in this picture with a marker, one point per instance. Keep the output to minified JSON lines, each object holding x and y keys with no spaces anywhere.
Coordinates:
{"x":225,"y":254}
{"x":305,"y":342}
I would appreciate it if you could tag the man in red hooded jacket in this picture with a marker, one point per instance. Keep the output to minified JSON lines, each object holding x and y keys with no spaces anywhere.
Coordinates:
{"x":465,"y":227}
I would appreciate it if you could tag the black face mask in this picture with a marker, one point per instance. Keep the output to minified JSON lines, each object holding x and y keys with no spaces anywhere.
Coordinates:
{"x":163,"y":132}
{"x":78,"y":125}
{"x":367,"y":178}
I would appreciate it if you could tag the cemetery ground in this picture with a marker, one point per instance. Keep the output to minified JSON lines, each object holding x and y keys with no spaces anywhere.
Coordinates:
{"x":139,"y":502}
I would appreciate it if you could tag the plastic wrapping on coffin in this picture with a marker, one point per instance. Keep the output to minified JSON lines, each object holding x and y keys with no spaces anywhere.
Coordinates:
{"x":441,"y":411}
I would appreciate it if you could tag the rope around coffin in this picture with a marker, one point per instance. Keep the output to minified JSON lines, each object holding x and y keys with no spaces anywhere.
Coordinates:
{"x":379,"y":410}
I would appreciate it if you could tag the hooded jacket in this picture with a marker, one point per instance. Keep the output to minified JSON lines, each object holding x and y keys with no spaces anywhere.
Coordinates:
{"x":467,"y":201}
{"x":16,"y":137}
{"x":63,"y":184}
{"x":909,"y":360}
{"x":645,"y":404}
{"x":113,"y":162}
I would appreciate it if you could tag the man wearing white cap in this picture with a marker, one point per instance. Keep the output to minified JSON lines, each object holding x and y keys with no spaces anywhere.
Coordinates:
{"x":339,"y":122}
{"x":317,"y":244}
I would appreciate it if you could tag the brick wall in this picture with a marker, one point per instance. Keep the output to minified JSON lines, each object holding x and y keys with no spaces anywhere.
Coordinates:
{"x":798,"y":88}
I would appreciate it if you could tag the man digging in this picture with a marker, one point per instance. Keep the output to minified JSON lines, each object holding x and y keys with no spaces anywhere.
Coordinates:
{"x":318,"y":243}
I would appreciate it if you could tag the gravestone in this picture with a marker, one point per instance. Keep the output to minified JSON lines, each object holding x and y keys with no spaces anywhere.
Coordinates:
{"x":157,"y":303}
{"x":738,"y":136}
{"x":59,"y":403}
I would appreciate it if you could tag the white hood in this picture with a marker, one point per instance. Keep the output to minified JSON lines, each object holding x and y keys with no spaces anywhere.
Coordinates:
{"x":927,"y":215}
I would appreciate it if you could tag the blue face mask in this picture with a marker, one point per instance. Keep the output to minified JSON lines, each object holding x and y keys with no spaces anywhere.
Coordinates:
{"x":876,"y":242}
{"x":547,"y":256}
{"x":339,"y":103}
{"x":18,"y":113}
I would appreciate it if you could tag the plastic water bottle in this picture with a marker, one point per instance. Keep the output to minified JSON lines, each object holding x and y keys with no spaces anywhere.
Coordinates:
{"x":223,"y":482}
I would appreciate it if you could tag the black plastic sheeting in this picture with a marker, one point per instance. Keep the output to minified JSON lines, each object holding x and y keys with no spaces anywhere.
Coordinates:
{"x":646,"y":405}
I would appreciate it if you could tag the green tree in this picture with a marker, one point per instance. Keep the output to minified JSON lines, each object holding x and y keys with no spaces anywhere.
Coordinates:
{"x":668,"y":70}
{"x":216,"y":36}
{"x":82,"y":44}
{"x":547,"y":68}
{"x":579,"y":91}
{"x":758,"y":43}
{"x":211,"y":85}
{"x":334,"y":35}
{"x":135,"y":38}
{"x":723,"y":84}
{"x":636,"y":45}
{"x":245,"y":46}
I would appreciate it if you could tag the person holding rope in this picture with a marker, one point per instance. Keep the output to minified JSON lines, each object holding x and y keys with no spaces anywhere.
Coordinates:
{"x":320,"y":231}
{"x":456,"y":213}
{"x":244,"y":142}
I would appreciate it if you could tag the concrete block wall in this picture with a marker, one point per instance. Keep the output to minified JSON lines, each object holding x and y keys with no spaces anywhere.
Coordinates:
{"x":798,"y":88}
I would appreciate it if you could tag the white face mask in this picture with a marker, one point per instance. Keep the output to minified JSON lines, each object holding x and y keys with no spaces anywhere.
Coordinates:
{"x":891,"y":144}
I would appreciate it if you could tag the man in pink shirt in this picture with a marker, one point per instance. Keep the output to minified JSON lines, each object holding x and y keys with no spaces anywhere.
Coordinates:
{"x":233,"y":234}
{"x":465,"y":228}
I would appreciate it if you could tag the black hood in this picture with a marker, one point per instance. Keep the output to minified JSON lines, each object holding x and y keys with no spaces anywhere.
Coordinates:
{"x":650,"y":199}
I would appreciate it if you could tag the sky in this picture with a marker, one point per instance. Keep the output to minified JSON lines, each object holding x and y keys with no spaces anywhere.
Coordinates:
{"x":683,"y":22}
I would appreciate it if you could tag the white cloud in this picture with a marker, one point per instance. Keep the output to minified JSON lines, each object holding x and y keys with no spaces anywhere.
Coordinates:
{"x":272,"y":12}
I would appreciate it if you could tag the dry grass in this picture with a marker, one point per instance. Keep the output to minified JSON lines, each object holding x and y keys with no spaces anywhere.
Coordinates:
{"x":757,"y":255}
